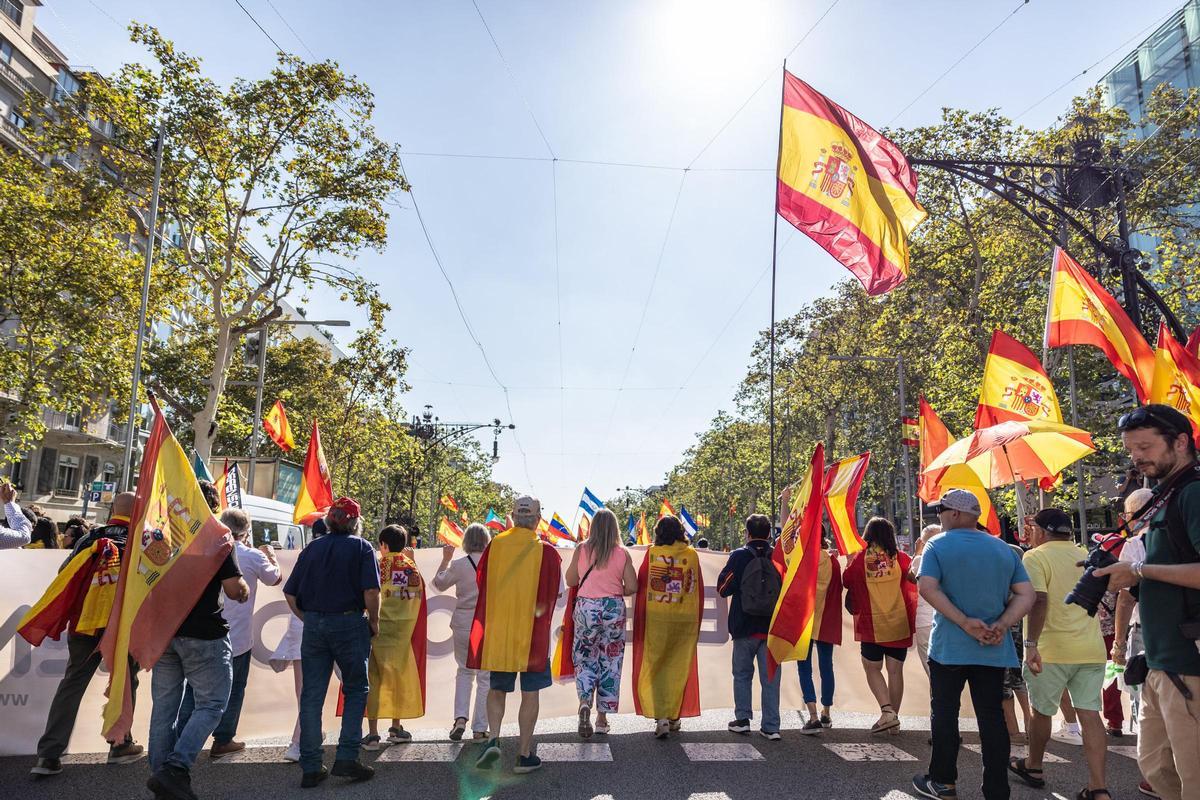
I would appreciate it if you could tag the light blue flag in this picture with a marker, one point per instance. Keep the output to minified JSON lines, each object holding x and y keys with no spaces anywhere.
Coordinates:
{"x":689,"y":525}
{"x":590,"y":503}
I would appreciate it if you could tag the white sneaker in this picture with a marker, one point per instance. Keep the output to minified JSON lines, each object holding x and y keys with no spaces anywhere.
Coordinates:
{"x":292,"y":754}
{"x":1068,"y":734}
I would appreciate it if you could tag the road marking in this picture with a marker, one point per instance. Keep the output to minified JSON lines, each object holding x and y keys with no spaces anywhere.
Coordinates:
{"x":424,"y":751}
{"x":861,"y":751}
{"x":709,"y":796}
{"x":1021,"y":751}
{"x":573,"y":751}
{"x":703,"y":751}
{"x":253,"y":755}
{"x":896,"y":794}
{"x":1127,"y":750}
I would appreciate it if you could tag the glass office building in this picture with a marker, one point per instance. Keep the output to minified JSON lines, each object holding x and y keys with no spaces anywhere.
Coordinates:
{"x":1169,"y":55}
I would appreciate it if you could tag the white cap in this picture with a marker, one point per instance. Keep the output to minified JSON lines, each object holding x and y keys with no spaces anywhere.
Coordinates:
{"x":958,"y":500}
{"x":527,"y":506}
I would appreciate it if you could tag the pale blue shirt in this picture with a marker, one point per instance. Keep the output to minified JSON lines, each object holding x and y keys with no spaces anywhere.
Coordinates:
{"x":18,"y":532}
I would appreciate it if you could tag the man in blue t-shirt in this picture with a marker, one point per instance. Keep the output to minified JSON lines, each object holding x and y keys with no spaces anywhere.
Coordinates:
{"x":978,"y":589}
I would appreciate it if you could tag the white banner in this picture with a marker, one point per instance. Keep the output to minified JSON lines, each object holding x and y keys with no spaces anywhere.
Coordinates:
{"x":29,"y":676}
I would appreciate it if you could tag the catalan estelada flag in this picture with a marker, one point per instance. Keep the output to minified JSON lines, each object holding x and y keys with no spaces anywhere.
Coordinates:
{"x":1015,"y":386}
{"x":396,"y":671}
{"x":935,"y":438}
{"x":1176,"y":378}
{"x":518,"y":581}
{"x":883,"y":599}
{"x":277,"y":427}
{"x":842,"y":482}
{"x":666,"y":629}
{"x":316,"y":487}
{"x":851,"y":190}
{"x":828,"y":597}
{"x":92,"y":571}
{"x":175,"y":546}
{"x":449,"y":533}
{"x":1081,"y":311}
{"x":797,"y":555}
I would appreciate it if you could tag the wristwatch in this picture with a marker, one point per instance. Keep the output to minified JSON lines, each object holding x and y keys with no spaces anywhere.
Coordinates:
{"x":1030,"y":643}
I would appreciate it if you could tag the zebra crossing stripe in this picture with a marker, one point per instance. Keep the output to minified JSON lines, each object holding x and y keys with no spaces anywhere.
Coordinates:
{"x":704,"y":752}
{"x":422,"y":751}
{"x":862,"y":751}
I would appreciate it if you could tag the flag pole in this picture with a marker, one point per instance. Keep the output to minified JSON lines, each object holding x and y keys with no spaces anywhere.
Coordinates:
{"x":774,"y":261}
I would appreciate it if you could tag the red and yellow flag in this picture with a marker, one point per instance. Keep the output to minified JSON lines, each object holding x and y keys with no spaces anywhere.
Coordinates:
{"x":851,"y":190}
{"x":518,"y":581}
{"x":828,"y":601}
{"x":644,"y":535}
{"x":1015,"y":386}
{"x":797,"y":555}
{"x":842,"y":482}
{"x":1081,"y":311}
{"x":449,"y":533}
{"x":1193,"y":342}
{"x":584,"y":529}
{"x":63,"y":604}
{"x":449,"y":503}
{"x":1176,"y":378}
{"x":666,"y":509}
{"x":175,"y":546}
{"x":935,"y":438}
{"x":396,"y":670}
{"x":277,"y":427}
{"x":666,"y":629}
{"x":910,"y":432}
{"x":883,"y":599}
{"x":316,"y":488}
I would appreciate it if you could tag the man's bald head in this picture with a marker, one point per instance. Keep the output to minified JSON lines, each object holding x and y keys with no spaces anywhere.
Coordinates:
{"x":122,"y":504}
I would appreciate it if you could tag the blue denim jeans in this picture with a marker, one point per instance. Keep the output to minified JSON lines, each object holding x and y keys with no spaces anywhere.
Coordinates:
{"x":345,"y":640}
{"x":227,"y":728}
{"x":746,"y":652}
{"x":205,"y":665}
{"x":825,"y":664}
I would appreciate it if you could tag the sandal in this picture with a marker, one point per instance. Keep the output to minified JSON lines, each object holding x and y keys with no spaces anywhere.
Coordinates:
{"x":1032,"y":777}
{"x":888,"y":722}
{"x":1090,"y":794}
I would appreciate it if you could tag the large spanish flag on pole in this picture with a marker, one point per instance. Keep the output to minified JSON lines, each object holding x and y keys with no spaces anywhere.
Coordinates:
{"x":851,"y":190}
{"x":175,"y":546}
{"x":1176,"y":378}
{"x":278,"y":428}
{"x":935,"y":438}
{"x":1015,"y":386}
{"x":842,"y":482}
{"x":518,"y":581}
{"x":667,"y":611}
{"x":316,"y":488}
{"x":1080,"y":311}
{"x":797,"y":555}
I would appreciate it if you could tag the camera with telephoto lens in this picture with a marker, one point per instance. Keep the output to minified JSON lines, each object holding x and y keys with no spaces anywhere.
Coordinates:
{"x":1090,"y":590}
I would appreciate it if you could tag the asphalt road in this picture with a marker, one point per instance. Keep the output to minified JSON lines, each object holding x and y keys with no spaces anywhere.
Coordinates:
{"x":704,"y":762}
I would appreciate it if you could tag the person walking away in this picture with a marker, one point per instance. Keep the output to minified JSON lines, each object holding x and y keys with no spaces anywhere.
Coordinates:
{"x":335,"y":581}
{"x":1159,"y":440}
{"x":200,"y":654}
{"x":1063,"y":652}
{"x":978,"y":589}
{"x":396,"y":670}
{"x":666,"y":629}
{"x":44,"y":536}
{"x":826,"y":636}
{"x":461,"y":574}
{"x":923,"y":620}
{"x":882,"y":597}
{"x":257,"y":566}
{"x":520,"y":579}
{"x":601,"y":573}
{"x":752,"y":581}
{"x":84,"y":631}
{"x":19,"y":530}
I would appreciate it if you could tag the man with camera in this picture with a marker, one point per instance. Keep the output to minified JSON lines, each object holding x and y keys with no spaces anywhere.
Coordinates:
{"x":1159,"y":440}
{"x":1063,"y":650}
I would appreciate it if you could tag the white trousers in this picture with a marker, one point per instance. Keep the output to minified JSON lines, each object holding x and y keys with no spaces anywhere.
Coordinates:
{"x":462,"y":684}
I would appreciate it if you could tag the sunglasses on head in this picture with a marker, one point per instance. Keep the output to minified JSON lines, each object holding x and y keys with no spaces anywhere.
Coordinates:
{"x":1143,"y":417}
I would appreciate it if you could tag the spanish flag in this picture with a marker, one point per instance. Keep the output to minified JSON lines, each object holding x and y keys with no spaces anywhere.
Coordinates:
{"x":277,"y":427}
{"x":449,"y":533}
{"x":62,"y":604}
{"x":883,"y":598}
{"x":396,"y":671}
{"x":828,"y":608}
{"x":935,"y":438}
{"x":1176,"y":378}
{"x":644,"y":536}
{"x":449,"y":503}
{"x":666,"y":509}
{"x":797,"y":555}
{"x":518,"y":587}
{"x":851,"y":190}
{"x":316,"y":488}
{"x":666,"y":629}
{"x":842,"y":482}
{"x":175,"y":546}
{"x":585,"y":529}
{"x":1193,"y":343}
{"x":1082,"y":312}
{"x":1015,"y":386}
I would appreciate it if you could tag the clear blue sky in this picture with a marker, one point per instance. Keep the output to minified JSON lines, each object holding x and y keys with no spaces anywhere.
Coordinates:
{"x":639,"y":81}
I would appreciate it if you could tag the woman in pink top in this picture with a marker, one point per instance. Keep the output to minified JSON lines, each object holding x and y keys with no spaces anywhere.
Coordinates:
{"x":604,"y":573}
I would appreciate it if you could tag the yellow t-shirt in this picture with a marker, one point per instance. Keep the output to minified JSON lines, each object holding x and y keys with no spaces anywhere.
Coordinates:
{"x":1069,"y":636}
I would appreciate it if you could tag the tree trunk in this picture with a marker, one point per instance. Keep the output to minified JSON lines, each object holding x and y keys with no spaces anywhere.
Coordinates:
{"x":203,"y":427}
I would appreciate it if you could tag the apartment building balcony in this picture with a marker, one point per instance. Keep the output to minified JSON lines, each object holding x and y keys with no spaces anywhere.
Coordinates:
{"x":22,"y":85}
{"x":12,"y":136}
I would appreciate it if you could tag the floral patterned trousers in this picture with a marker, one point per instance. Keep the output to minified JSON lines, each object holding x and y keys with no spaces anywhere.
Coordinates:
{"x":599,"y":650}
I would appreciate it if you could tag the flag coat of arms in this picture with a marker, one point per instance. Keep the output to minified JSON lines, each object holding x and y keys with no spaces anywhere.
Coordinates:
{"x":174,"y":548}
{"x":884,"y":600}
{"x":396,"y":671}
{"x":847,"y":187}
{"x":277,"y":427}
{"x":842,"y":483}
{"x":666,"y":629}
{"x":316,"y":487}
{"x":1015,"y":386}
{"x":1176,"y":378}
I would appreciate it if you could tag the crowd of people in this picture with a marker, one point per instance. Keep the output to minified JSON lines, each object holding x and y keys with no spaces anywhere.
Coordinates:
{"x":1024,"y":627}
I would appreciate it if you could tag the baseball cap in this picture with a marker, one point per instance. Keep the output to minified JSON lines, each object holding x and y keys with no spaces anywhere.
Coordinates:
{"x":1054,"y":521}
{"x":347,"y":507}
{"x":527,"y":505}
{"x":957,"y":500}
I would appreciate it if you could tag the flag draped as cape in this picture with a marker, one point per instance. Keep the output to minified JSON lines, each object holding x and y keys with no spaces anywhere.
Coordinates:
{"x":397,"y":668}
{"x":76,"y":597}
{"x":666,"y":628}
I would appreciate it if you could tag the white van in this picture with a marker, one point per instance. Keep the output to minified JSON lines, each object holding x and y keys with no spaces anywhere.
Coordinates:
{"x":271,"y":523}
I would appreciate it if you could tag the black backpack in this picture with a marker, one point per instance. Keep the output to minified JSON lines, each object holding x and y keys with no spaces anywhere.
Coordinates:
{"x":760,"y":586}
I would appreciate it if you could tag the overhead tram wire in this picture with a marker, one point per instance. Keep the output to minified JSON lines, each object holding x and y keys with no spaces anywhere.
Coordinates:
{"x":960,"y":60}
{"x":441,"y":268}
{"x":587,"y":162}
